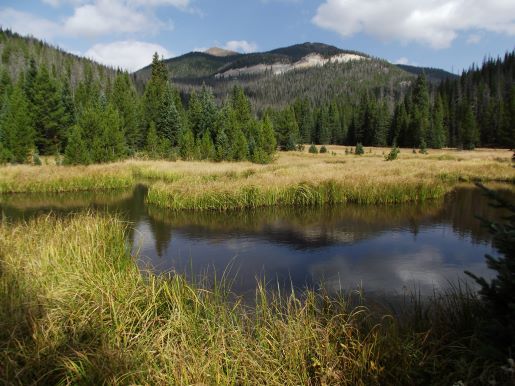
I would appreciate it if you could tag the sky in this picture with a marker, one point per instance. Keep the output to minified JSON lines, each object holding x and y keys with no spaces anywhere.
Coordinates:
{"x":448,"y":34}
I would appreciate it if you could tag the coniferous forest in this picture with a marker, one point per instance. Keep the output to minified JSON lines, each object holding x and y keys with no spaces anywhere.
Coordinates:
{"x":95,"y":116}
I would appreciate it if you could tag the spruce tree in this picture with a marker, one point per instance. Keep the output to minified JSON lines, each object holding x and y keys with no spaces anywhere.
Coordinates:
{"x":240,"y":148}
{"x":154,"y":90}
{"x":186,"y":145}
{"x":152,"y":142}
{"x":207,"y":149}
{"x":124,"y":98}
{"x":17,"y":132}
{"x":48,"y":113}
{"x":437,"y":138}
{"x":168,"y":124}
{"x":269,"y":141}
{"x":76,"y":151}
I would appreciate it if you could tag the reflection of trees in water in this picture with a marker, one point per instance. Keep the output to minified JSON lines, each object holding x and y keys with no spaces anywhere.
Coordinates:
{"x":301,"y":228}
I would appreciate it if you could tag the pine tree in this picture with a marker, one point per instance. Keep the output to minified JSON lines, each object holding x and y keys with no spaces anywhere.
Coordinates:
{"x":241,"y":106}
{"x":17,"y":132}
{"x":154,"y":90}
{"x":207,"y":149}
{"x":437,"y":138}
{"x":49,"y":116}
{"x":269,"y":141}
{"x":76,"y":152}
{"x":468,"y":128}
{"x":152,"y":142}
{"x":124,"y":98}
{"x":420,"y":122}
{"x":240,"y":148}
{"x":187,"y":145}
{"x":168,"y":123}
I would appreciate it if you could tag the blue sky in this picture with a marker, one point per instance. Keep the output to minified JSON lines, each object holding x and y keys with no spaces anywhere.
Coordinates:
{"x":450,"y":34}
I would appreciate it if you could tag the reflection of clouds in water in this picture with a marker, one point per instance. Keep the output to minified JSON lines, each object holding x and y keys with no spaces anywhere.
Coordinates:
{"x":424,"y":269}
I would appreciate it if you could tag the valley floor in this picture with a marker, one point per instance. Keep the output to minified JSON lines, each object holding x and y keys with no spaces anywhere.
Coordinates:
{"x":294,"y":178}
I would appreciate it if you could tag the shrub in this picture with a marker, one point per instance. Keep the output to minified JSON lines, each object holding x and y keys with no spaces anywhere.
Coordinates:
{"x":393,"y":154}
{"x":323,"y":149}
{"x":360,"y":150}
{"x":423,"y":147}
{"x":313,"y":149}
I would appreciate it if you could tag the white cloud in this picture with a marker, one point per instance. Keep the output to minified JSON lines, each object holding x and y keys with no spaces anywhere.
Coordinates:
{"x":402,"y":60}
{"x":473,"y":39}
{"x":128,"y":54}
{"x":100,"y":17}
{"x":240,"y":46}
{"x":432,"y":22}
{"x":28,"y":24}
{"x":105,"y":17}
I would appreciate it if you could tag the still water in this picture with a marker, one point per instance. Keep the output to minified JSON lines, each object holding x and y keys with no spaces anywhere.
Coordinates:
{"x":386,"y":250}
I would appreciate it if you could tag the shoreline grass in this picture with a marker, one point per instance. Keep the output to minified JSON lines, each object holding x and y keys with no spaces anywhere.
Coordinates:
{"x":75,"y":309}
{"x":295,"y":179}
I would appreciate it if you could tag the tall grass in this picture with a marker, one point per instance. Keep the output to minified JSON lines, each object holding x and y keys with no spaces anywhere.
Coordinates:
{"x":303,"y":194}
{"x":23,"y":178}
{"x":74,"y":309}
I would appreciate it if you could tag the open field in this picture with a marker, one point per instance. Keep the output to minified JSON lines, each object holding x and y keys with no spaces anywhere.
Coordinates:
{"x":293,"y":179}
{"x":74,"y":309}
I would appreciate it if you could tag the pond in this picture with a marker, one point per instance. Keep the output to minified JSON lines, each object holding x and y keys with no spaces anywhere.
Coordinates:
{"x":386,"y":250}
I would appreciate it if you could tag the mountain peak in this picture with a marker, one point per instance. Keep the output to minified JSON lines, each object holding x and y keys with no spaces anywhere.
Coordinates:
{"x":217,"y":51}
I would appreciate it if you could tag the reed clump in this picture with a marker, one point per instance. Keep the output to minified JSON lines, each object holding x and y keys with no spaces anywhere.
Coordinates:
{"x":75,"y":309}
{"x":52,"y":178}
{"x":304,"y":194}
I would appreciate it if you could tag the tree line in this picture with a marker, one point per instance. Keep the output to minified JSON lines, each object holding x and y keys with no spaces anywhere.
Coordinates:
{"x":478,"y":109}
{"x":95,"y":121}
{"x":40,"y":115}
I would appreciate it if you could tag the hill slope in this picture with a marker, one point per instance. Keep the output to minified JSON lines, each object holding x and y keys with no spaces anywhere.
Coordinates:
{"x":275,"y":78}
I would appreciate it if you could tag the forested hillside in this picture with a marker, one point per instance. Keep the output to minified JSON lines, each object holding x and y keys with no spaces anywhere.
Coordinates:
{"x":18,"y":53}
{"x":53,"y":103}
{"x":477,"y":109}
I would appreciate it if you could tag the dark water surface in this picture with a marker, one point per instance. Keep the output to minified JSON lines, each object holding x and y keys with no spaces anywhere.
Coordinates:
{"x":384,"y":249}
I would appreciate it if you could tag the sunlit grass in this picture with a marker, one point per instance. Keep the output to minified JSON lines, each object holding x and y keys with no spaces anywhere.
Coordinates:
{"x":295,"y":178}
{"x":74,"y":309}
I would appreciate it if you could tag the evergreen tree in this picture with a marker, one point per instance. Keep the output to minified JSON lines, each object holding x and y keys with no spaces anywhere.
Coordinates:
{"x":468,"y":128}
{"x":240,"y":149}
{"x":187,"y":145}
{"x":420,"y":113}
{"x":152,"y":142}
{"x":124,"y":99}
{"x":154,"y":90}
{"x":286,"y":128}
{"x":16,"y":130}
{"x":437,"y":136}
{"x":207,"y":149}
{"x":168,"y":123}
{"x":76,"y":152}
{"x":269,"y":141}
{"x":49,"y":115}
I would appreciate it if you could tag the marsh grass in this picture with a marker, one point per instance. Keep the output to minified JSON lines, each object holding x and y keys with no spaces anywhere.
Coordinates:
{"x":74,"y":309}
{"x":296,"y":178}
{"x":52,"y":178}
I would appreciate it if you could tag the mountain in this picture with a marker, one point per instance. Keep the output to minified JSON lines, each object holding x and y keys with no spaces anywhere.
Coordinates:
{"x":275,"y":78}
{"x":434,"y":75}
{"x":217,"y":51}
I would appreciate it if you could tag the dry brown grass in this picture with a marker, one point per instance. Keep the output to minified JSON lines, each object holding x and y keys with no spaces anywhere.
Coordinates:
{"x":196,"y":185}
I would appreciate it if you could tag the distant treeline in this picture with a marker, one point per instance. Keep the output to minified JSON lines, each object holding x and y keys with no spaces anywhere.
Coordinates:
{"x":90,"y":117}
{"x":478,"y":109}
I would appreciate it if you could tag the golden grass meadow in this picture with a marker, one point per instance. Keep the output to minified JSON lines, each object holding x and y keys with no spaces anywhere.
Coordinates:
{"x":76,"y":310}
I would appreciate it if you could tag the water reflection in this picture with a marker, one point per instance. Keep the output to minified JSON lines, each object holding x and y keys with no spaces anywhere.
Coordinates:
{"x":385,"y":249}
